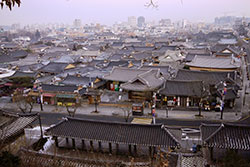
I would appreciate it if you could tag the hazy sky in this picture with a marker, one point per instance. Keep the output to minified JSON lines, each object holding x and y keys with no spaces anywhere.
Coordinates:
{"x":110,"y":11}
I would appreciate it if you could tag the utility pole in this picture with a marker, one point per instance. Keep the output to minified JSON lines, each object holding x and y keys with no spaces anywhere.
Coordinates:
{"x":224,"y":91}
{"x":40,"y":124}
{"x":41,"y":98}
{"x":167,"y":112}
{"x":153,"y":107}
{"x":222,"y":107}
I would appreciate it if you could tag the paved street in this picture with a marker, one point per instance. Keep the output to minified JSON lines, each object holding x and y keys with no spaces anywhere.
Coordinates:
{"x":52,"y":114}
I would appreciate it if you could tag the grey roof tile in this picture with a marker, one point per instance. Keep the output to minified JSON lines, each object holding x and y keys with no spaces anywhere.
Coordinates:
{"x":226,"y":136}
{"x":114,"y":132}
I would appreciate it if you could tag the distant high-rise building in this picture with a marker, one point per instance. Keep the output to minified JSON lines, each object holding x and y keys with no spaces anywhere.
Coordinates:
{"x":132,"y":21}
{"x":224,"y":20}
{"x":165,"y":22}
{"x":183,"y":23}
{"x":141,"y":21}
{"x":77,"y":23}
{"x":15,"y":26}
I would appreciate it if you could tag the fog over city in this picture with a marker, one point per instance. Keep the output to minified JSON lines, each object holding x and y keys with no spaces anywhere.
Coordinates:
{"x":111,"y":11}
{"x":124,"y":83}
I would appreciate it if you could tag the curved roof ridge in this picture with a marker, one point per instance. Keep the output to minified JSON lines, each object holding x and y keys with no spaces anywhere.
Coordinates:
{"x":108,"y":122}
{"x":215,"y":132}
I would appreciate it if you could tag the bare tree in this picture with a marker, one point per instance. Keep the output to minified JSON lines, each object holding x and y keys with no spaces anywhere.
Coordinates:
{"x":72,"y":110}
{"x":10,"y":3}
{"x":151,"y":3}
{"x":24,"y":103}
{"x":127,"y":113}
{"x":204,"y":94}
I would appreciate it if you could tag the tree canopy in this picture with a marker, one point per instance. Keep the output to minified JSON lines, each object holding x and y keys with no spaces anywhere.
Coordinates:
{"x":10,"y":3}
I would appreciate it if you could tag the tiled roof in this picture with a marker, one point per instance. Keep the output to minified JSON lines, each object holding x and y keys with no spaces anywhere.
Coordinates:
{"x":114,"y":132}
{"x":123,"y":74}
{"x":74,"y":80}
{"x":19,"y":54}
{"x":213,"y":62}
{"x":206,"y":76}
{"x":147,"y":81}
{"x":143,"y":48}
{"x":24,"y":74}
{"x":165,"y":48}
{"x":15,"y":125}
{"x":115,"y":57}
{"x":226,"y":136}
{"x":182,"y":88}
{"x":57,"y":88}
{"x":54,"y":67}
{"x":30,"y":67}
{"x":7,"y":58}
{"x":142,"y":55}
{"x":190,"y":56}
{"x":113,"y":64}
{"x":233,"y":49}
{"x":230,"y":95}
{"x":164,"y":70}
{"x":218,"y":47}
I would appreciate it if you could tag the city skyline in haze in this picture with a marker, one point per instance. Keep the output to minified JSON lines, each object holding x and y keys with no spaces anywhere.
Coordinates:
{"x":111,"y":11}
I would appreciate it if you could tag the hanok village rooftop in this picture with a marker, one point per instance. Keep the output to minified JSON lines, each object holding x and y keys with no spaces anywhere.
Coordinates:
{"x":72,"y":70}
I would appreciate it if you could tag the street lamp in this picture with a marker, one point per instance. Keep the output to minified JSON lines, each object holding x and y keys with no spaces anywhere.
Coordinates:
{"x":167,"y":111}
{"x":224,"y":91}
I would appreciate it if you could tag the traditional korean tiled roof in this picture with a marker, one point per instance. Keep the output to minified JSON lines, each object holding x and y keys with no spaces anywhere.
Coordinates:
{"x":218,"y":47}
{"x":24,"y":74}
{"x":235,"y":50}
{"x":213,"y":62}
{"x":171,"y":56}
{"x":143,"y":48}
{"x":226,"y":136}
{"x":115,"y":57}
{"x":54,"y":67}
{"x":30,"y":67}
{"x":165,"y":48}
{"x":142,"y":55}
{"x":182,"y":88}
{"x":147,"y":81}
{"x":123,"y":74}
{"x":7,"y":58}
{"x":191,"y":56}
{"x":230,"y":94}
{"x":58,"y":88}
{"x":206,"y":76}
{"x":13,"y":124}
{"x":163,"y":69}
{"x":19,"y":54}
{"x":74,"y":80}
{"x":114,"y":132}
{"x":110,"y":65}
